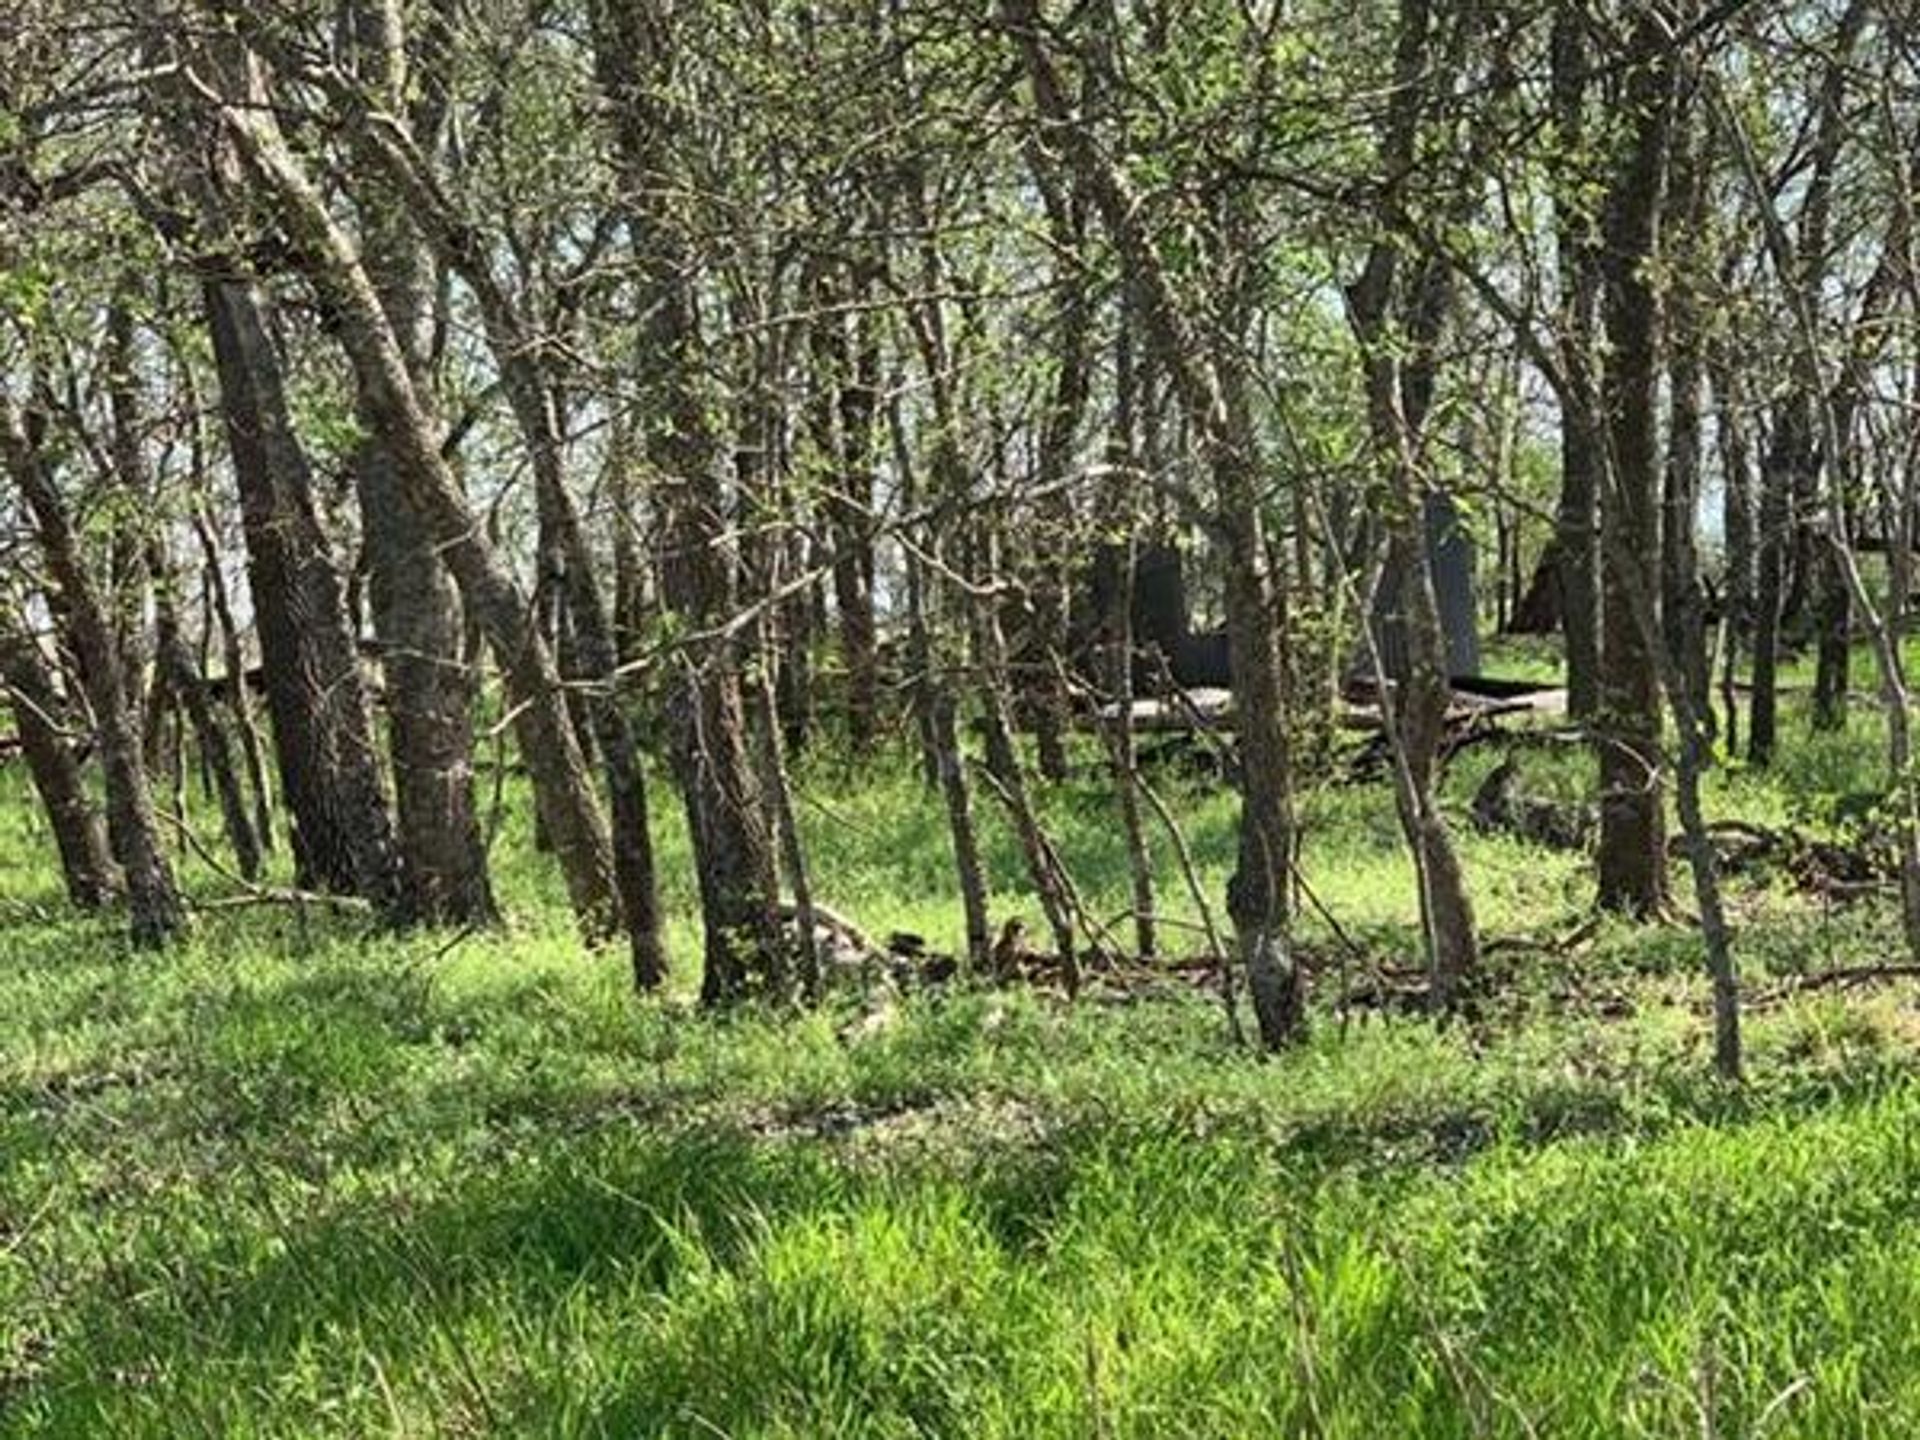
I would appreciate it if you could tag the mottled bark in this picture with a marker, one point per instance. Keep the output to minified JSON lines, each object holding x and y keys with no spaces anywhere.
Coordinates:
{"x":1632,"y":846}
{"x":429,"y":702}
{"x":415,"y":605}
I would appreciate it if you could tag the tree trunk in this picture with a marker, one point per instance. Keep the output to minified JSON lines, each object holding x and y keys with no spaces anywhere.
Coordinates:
{"x":178,"y":675}
{"x":1009,"y":778}
{"x":1789,"y":451}
{"x":1682,"y":596}
{"x":1398,"y":319}
{"x":1632,"y":848}
{"x":154,"y":907}
{"x":843,"y":418}
{"x":1214,"y":403}
{"x":428,"y":489}
{"x":1117,"y":657}
{"x":40,"y":712}
{"x":739,"y":884}
{"x":1059,"y":432}
{"x":1736,"y":470}
{"x":188,"y":683}
{"x":415,"y":605}
{"x":430,"y":697}
{"x":341,"y":830}
{"x":1833,"y":657}
{"x":233,"y":683}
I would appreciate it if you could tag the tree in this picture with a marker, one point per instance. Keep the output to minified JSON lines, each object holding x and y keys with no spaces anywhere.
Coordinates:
{"x":156,"y":913}
{"x":391,"y":408}
{"x":1632,"y":848}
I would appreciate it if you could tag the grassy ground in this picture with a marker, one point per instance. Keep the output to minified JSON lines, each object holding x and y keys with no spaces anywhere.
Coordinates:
{"x":300,"y":1181}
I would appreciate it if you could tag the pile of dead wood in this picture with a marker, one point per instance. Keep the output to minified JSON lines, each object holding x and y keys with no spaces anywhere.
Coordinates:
{"x":1502,"y":806}
{"x":1816,"y":865}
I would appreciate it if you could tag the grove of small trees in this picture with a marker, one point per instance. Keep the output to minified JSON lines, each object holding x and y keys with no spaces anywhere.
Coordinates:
{"x":637,"y":395}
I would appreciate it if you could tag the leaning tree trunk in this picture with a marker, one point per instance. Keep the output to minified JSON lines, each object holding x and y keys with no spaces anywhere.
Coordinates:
{"x":596,"y":651}
{"x":428,"y":489}
{"x":86,"y":864}
{"x":153,"y":901}
{"x":1009,"y":779}
{"x":341,"y":830}
{"x":341,"y":827}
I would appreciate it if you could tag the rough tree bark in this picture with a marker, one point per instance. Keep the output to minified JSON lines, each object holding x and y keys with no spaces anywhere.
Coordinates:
{"x":234,"y":689}
{"x":1632,"y":849}
{"x":1575,"y":542}
{"x":493,"y":598}
{"x":739,"y":885}
{"x":341,"y":829}
{"x":415,"y":605}
{"x":341,"y":825}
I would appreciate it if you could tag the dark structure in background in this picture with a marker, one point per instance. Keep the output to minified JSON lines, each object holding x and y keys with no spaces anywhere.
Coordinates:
{"x":1162,"y":615}
{"x":1451,"y":549}
{"x":1162,"y":619}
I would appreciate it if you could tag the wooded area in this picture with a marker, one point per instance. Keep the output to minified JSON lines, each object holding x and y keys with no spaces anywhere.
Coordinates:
{"x":468,"y":457}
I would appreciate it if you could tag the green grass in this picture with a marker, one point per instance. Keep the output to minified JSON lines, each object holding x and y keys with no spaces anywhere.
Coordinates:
{"x":295,"y":1180}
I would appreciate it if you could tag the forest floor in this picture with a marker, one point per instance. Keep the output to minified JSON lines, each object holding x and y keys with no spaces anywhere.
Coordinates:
{"x":297,"y":1181}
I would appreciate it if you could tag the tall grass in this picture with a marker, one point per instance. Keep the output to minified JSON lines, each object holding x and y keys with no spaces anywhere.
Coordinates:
{"x":297,"y":1180}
